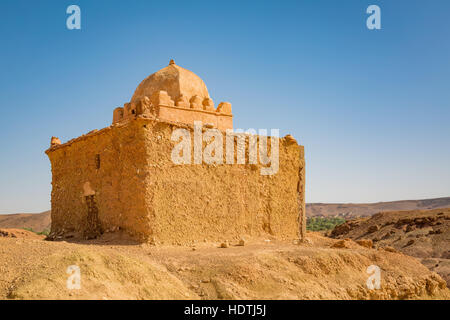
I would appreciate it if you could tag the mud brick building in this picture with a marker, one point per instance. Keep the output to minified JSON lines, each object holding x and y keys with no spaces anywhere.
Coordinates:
{"x":123,"y":178}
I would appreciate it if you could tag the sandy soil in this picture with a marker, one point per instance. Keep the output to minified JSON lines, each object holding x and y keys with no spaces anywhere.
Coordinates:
{"x":116,"y":268}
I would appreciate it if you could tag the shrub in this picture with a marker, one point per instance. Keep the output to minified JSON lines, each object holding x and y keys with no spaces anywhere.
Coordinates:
{"x":323,"y":223}
{"x":44,"y":232}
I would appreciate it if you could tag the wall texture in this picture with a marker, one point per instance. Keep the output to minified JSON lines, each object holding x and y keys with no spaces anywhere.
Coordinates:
{"x":118,"y":184}
{"x":127,"y":169}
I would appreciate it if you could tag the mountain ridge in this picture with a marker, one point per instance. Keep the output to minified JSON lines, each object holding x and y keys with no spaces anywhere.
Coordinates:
{"x":355,"y":210}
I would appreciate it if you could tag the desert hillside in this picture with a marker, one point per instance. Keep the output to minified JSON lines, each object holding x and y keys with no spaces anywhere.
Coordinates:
{"x":424,"y":234}
{"x":36,"y":221}
{"x":320,"y":268}
{"x":354,"y":210}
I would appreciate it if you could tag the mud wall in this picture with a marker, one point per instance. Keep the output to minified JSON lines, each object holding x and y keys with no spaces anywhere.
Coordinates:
{"x":193,"y":202}
{"x":138,"y":188}
{"x":107,"y":164}
{"x":185,"y":115}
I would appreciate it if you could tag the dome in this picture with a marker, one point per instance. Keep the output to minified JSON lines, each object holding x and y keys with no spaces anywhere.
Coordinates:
{"x":175,"y":80}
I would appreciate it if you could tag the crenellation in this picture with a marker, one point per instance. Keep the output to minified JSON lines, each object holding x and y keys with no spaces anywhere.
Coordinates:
{"x":118,"y":114}
{"x":161,"y":98}
{"x":208,"y":104}
{"x":144,"y":106}
{"x":224,"y":107}
{"x":54,"y":141}
{"x":182,"y":102}
{"x":196,"y":103}
{"x":129,"y":110}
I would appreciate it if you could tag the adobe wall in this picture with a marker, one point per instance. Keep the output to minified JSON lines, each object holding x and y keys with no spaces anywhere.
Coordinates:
{"x":117,"y":184}
{"x":139,"y":189}
{"x":194,"y":202}
{"x":182,"y":115}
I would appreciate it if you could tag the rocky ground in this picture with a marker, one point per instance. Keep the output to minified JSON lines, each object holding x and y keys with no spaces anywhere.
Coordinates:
{"x":116,"y":268}
{"x":424,"y":234}
{"x":20,"y":233}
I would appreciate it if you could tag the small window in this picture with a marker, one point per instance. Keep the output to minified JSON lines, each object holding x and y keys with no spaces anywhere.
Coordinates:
{"x":97,"y":161}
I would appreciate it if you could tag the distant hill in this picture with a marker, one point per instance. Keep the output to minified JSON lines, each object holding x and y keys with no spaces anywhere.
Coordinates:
{"x":353,"y":210}
{"x":36,"y":221}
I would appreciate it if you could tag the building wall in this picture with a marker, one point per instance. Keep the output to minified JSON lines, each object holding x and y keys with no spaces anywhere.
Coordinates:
{"x":181,"y":115}
{"x":118,"y":184}
{"x":139,"y":189}
{"x":221,"y":202}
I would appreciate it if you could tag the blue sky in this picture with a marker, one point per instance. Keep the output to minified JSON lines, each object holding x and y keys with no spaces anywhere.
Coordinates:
{"x":371,"y":107}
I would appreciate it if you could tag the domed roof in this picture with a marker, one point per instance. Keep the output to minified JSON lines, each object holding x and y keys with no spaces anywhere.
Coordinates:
{"x":175,"y":80}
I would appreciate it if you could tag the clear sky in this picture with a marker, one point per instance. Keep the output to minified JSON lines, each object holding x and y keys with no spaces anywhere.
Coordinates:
{"x":371,"y":107}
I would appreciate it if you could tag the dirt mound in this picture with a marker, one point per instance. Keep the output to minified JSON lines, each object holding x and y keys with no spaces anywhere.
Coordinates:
{"x":36,"y":221}
{"x":20,"y":233}
{"x":424,"y":234}
{"x":260,"y":269}
{"x":354,"y":210}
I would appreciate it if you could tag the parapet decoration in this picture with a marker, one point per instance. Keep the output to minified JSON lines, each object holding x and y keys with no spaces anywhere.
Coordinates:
{"x":54,"y":141}
{"x":175,"y":94}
